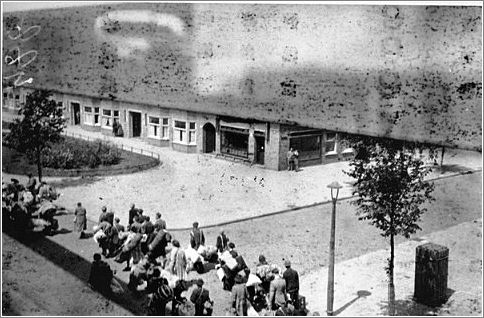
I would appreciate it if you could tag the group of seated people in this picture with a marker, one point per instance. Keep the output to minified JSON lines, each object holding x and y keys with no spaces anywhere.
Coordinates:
{"x":21,"y":202}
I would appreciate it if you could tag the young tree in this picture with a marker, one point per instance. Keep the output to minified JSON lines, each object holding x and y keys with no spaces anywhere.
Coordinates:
{"x":41,"y":123}
{"x":391,"y":191}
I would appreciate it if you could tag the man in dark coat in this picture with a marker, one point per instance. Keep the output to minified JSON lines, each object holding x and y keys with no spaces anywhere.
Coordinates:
{"x":136,"y":224}
{"x":101,"y":275}
{"x":132,"y":213}
{"x":157,"y":247}
{"x":103,"y":216}
{"x":81,"y":219}
{"x":292,"y":283}
{"x":222,"y":241}
{"x":199,"y":297}
{"x":196,"y":237}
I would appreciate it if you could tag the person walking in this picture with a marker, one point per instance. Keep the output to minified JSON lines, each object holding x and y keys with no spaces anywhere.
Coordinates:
{"x":196,"y":237}
{"x":80,"y":221}
{"x":290,"y":159}
{"x":240,"y":297}
{"x":292,"y":283}
{"x":199,"y":297}
{"x":277,"y":291}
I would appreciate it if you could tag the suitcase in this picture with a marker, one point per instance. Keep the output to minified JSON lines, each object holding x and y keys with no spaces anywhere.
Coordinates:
{"x":302,"y":303}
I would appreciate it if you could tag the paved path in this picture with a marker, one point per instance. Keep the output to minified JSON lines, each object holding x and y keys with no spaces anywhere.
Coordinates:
{"x":364,"y":276}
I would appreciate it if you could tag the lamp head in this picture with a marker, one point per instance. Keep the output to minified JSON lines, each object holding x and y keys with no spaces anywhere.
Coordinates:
{"x":337,"y":186}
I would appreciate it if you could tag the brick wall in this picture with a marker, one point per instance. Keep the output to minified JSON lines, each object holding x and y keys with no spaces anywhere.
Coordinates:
{"x":410,"y":72}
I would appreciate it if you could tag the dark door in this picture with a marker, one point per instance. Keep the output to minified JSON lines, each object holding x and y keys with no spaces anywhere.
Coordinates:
{"x":259,"y":149}
{"x":209,"y":134}
{"x":76,"y":110}
{"x":136,"y":124}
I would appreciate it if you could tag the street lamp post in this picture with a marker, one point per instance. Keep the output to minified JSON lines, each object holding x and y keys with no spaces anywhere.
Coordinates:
{"x":330,"y":295}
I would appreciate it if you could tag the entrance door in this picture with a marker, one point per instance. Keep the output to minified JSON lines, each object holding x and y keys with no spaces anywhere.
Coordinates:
{"x":135,"y":124}
{"x":259,"y":149}
{"x":76,"y":110}
{"x":209,"y":138}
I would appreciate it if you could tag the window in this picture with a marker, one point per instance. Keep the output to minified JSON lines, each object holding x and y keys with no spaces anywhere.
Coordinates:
{"x":154,"y":127}
{"x":330,"y":146}
{"x":308,"y":147}
{"x":192,"y":134}
{"x":106,"y":118}
{"x":116,"y":116}
{"x":180,"y":131}
{"x":91,"y":116}
{"x":17,"y":97}
{"x":5,"y":95}
{"x":164,"y":128}
{"x":235,"y":141}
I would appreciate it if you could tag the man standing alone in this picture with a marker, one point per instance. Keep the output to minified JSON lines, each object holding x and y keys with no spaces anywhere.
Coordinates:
{"x":80,"y":220}
{"x":292,"y":283}
{"x":196,"y":237}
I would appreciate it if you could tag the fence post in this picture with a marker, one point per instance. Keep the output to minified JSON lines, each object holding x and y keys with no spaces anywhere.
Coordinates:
{"x":141,"y":151}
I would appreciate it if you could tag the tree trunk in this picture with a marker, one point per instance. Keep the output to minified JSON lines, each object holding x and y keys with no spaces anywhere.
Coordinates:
{"x":39,"y":165}
{"x":442,"y":157}
{"x":391,"y":287}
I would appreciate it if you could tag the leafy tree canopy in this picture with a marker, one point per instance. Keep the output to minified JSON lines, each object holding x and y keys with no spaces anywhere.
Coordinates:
{"x":390,"y":184}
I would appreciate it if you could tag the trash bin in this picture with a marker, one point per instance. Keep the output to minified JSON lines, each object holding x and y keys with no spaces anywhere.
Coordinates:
{"x":431,"y":270}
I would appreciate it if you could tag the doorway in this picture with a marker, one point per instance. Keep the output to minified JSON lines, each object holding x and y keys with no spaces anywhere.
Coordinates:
{"x":76,"y":111}
{"x":135,"y":124}
{"x":208,"y":138}
{"x":259,"y":149}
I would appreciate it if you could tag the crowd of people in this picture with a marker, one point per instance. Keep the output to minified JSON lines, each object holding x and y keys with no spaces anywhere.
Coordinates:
{"x":29,"y":205}
{"x":158,"y":262}
{"x":159,"y":266}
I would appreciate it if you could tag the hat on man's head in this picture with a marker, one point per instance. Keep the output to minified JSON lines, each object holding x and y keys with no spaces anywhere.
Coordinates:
{"x":287,"y":263}
{"x":104,"y":209}
{"x":195,"y":224}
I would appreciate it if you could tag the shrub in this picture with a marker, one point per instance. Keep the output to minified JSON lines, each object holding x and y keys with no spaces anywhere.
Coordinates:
{"x":75,"y":154}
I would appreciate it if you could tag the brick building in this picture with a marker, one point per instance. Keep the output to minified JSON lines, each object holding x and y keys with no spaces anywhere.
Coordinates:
{"x":249,"y":81}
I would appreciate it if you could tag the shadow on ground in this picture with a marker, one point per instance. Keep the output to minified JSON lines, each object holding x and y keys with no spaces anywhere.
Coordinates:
{"x":360,"y":294}
{"x":75,"y":265}
{"x":410,"y":307}
{"x":74,"y":182}
{"x":455,"y":168}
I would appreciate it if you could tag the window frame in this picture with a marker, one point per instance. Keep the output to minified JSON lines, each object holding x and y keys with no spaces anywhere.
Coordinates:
{"x":186,"y":135}
{"x":151,"y":125}
{"x":335,"y":140}
{"x":112,"y":116}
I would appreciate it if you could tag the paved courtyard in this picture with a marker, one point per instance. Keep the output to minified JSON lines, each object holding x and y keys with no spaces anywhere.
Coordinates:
{"x":200,"y":187}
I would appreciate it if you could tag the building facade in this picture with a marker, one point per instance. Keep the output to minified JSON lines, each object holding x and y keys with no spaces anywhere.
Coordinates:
{"x":248,"y":141}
